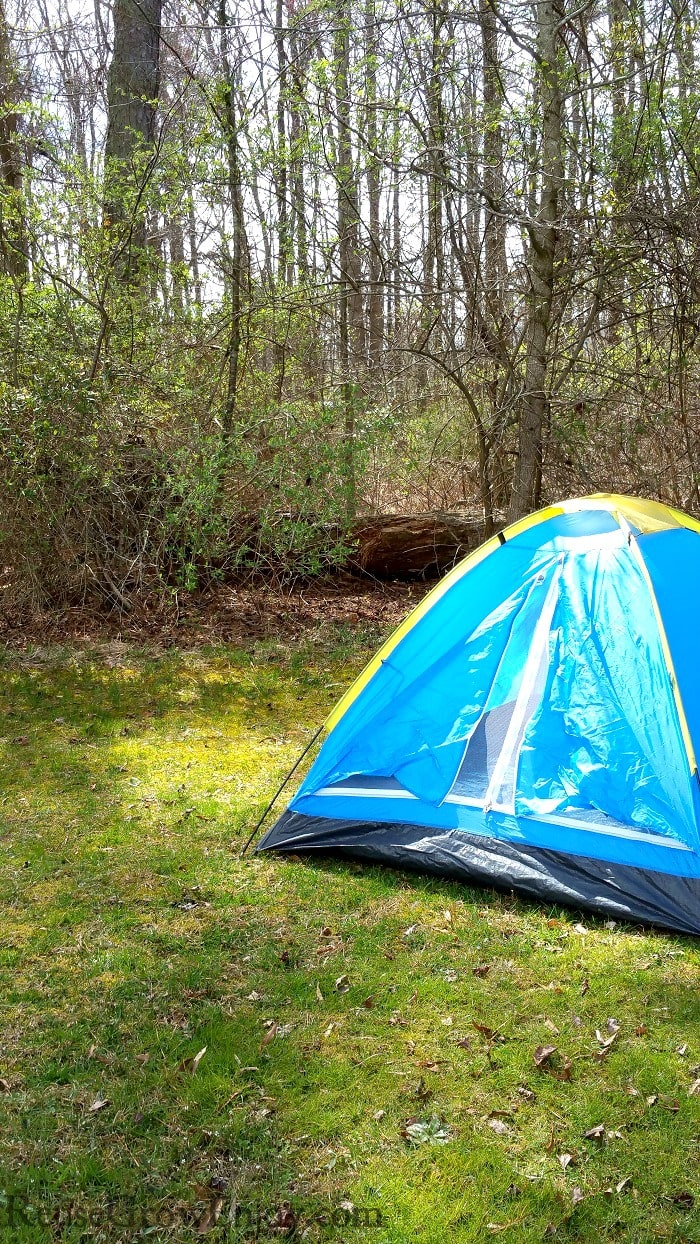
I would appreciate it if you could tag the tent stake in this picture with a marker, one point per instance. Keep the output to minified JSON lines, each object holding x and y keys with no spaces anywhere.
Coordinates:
{"x":279,"y":790}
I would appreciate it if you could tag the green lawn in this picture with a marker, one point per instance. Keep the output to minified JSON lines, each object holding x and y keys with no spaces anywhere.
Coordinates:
{"x":334,"y":1002}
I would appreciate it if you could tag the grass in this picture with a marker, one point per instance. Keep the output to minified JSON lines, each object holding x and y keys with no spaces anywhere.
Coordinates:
{"x":133,"y":937}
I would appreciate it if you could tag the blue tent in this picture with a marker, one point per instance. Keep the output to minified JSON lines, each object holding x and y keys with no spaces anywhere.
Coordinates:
{"x":533,"y":725}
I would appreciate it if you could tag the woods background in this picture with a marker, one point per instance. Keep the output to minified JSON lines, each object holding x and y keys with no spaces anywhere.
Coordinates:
{"x":266,"y":270}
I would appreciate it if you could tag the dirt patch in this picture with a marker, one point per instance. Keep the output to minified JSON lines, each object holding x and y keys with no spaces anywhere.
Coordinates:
{"x":227,"y":614}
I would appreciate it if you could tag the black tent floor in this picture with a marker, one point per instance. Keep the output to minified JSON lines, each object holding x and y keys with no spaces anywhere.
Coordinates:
{"x":613,"y":890}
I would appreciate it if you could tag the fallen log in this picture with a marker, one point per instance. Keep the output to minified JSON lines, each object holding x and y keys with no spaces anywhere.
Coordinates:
{"x":415,"y":546}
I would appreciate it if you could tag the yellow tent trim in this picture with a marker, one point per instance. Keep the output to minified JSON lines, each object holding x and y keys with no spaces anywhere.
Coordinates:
{"x":644,"y":516}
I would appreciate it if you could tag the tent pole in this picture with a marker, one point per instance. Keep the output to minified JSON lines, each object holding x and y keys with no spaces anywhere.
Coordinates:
{"x":279,"y":790}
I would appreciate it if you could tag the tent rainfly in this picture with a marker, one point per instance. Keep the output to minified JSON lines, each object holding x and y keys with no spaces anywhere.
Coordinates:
{"x":534,"y":724}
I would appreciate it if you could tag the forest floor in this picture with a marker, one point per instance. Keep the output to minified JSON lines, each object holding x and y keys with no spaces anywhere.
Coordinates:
{"x":195,"y":1045}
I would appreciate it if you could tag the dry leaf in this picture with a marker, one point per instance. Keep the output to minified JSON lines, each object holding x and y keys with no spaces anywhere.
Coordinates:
{"x":580,"y":928}
{"x":342,"y":984}
{"x":682,"y":1050}
{"x":584,"y":987}
{"x":326,"y":932}
{"x":484,"y":1030}
{"x":329,"y":1030}
{"x":685,"y":1199}
{"x":368,"y":1002}
{"x":612,"y":1026}
{"x":640,"y":1030}
{"x":269,"y":1036}
{"x":284,"y":1220}
{"x":99,"y":1104}
{"x":191,"y":1064}
{"x":563,"y":1070}
{"x":652,"y":1099}
{"x":576,"y":1195}
{"x":498,"y":1126}
{"x":693,"y":1091}
{"x":447,"y":917}
{"x":526,"y":1093}
{"x":595,"y":1133}
{"x":379,"y":1115}
{"x":142,"y":1058}
{"x":481,"y":969}
{"x":211,"y":1215}
{"x":319,"y":995}
{"x":623,"y":1183}
{"x":5,"y":1085}
{"x":542,"y":1053}
{"x":254,"y":996}
{"x":552,"y":1027}
{"x":566,"y":1159}
{"x":610,"y":924}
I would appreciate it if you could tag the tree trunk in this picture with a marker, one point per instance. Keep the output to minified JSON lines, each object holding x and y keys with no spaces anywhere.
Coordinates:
{"x":235,"y":195}
{"x":350,"y":314}
{"x":540,"y":268}
{"x":14,"y":259}
{"x":132,"y":92}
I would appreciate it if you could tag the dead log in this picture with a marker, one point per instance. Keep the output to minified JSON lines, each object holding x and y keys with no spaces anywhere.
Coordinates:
{"x":416,"y":546}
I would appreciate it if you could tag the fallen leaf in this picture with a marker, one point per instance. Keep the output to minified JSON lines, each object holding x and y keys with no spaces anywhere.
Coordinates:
{"x":684,"y":1199}
{"x":211,"y":1215}
{"x":142,"y":1058}
{"x":368,"y":1002}
{"x":526,"y":1093}
{"x":576,"y":1195}
{"x":269,"y":1036}
{"x":191,"y":1064}
{"x":566,"y":1159}
{"x":284,"y":1220}
{"x":584,"y":987}
{"x":326,"y":932}
{"x":447,"y":917}
{"x":595,"y":1133}
{"x":464,"y":1043}
{"x":623,"y":1183}
{"x":694,"y":1090}
{"x":329,"y":1030}
{"x":410,"y":930}
{"x":498,"y":1126}
{"x":342,"y":984}
{"x":484,"y":1030}
{"x":612,"y":1026}
{"x":552,"y":1027}
{"x":610,"y":924}
{"x":319,"y":995}
{"x":580,"y":928}
{"x":652,"y":1099}
{"x":6,"y":1088}
{"x":543,"y":1053}
{"x":682,"y":1050}
{"x":254,"y":996}
{"x":99,"y":1104}
{"x":379,"y":1115}
{"x":640,"y":1030}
